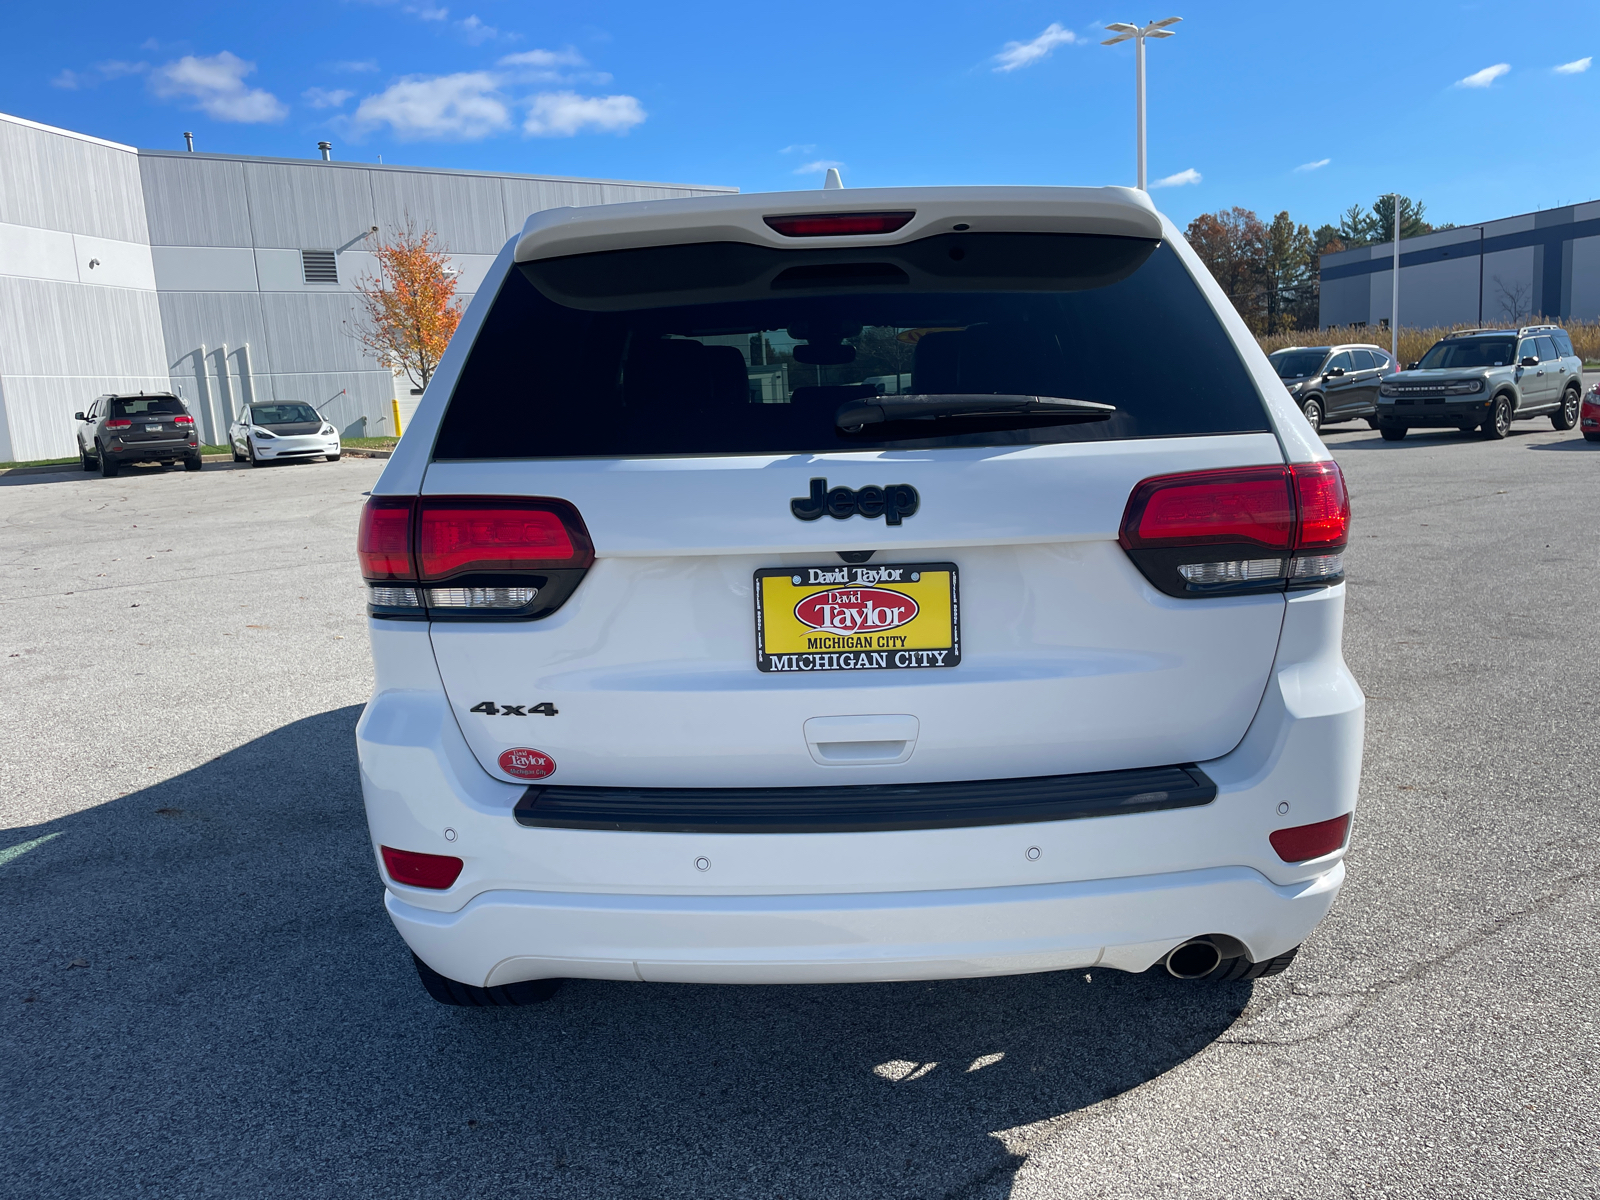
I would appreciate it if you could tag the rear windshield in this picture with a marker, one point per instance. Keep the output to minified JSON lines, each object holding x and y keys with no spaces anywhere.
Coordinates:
{"x":141,"y":405}
{"x":1293,"y":364}
{"x":1469,"y":352}
{"x":728,"y":348}
{"x":283,"y":414}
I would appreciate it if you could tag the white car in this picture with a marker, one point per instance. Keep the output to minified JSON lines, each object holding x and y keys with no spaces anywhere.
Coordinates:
{"x":1033,"y":665}
{"x":268,"y":432}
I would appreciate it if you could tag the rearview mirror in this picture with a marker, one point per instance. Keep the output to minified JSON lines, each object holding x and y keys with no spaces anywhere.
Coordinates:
{"x":1335,"y":372}
{"x":1412,"y":366}
{"x":79,"y":417}
{"x":1529,"y":360}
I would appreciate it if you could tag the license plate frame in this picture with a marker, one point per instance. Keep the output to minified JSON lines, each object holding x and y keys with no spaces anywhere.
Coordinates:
{"x":787,"y":643}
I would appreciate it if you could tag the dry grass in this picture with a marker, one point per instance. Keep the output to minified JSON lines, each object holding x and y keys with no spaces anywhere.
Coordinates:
{"x":1415,"y":342}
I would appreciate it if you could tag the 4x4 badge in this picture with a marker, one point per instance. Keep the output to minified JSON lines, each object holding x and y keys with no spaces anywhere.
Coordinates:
{"x":892,"y":503}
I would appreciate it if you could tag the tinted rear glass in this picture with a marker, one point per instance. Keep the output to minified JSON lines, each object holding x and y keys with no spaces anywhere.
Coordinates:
{"x":141,"y":405}
{"x":730,"y":348}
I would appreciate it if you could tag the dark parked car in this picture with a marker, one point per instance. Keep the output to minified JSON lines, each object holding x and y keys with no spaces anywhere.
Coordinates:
{"x":1485,"y":379}
{"x":1333,"y":383}
{"x":148,"y":427}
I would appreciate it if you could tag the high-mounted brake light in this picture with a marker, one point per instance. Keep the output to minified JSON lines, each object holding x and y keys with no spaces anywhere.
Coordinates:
{"x":457,"y":557}
{"x":1303,"y":842}
{"x":1247,"y":529}
{"x":838,"y":224}
{"x":414,"y":869}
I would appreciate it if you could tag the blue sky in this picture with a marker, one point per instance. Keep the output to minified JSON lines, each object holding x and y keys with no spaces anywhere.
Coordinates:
{"x":1480,"y":110}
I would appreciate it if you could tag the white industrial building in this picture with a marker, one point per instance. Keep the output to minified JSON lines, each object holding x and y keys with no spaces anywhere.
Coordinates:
{"x":1539,"y":264}
{"x":221,"y":277}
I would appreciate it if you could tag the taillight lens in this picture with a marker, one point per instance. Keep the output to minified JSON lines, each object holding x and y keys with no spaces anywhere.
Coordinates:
{"x":180,"y":420}
{"x":839,"y":224}
{"x":1249,"y":529}
{"x":501,"y":557}
{"x":496,"y":536}
{"x":1303,"y":842}
{"x":384,"y":542}
{"x":119,"y":423}
{"x":414,"y":869}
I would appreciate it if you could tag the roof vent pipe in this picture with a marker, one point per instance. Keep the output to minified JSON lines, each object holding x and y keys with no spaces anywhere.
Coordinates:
{"x":832,"y":180}
{"x":188,"y":141}
{"x":327,"y":151}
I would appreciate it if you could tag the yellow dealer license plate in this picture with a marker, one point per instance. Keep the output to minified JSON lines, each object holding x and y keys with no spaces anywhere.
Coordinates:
{"x":854,"y":618}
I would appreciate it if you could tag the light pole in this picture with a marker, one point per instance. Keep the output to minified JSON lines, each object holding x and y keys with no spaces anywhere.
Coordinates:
{"x":1394,"y":304}
{"x":1124,"y":31}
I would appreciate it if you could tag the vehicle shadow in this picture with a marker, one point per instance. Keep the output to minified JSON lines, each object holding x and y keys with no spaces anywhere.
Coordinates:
{"x":1576,"y":443}
{"x":204,"y":996}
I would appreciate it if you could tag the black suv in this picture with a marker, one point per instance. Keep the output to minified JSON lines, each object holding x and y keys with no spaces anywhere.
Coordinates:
{"x":1333,"y":383}
{"x":148,"y":427}
{"x":1485,"y":379}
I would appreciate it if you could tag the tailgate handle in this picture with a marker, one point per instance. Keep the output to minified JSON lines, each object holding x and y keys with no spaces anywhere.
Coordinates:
{"x":861,"y":740}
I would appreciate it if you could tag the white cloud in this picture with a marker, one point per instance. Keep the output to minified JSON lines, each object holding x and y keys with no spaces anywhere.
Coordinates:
{"x":1181,"y":179}
{"x":216,"y":86}
{"x":1023,"y":54}
{"x":1576,"y":67}
{"x":359,"y":66}
{"x":563,"y":114}
{"x":1483,"y":78}
{"x":552,"y":66}
{"x":799,"y":149}
{"x":322,"y":98}
{"x":98,"y":74}
{"x":1314,"y":166}
{"x":461,"y":107}
{"x":818,"y":167}
{"x":428,"y":12}
{"x":476,"y":32}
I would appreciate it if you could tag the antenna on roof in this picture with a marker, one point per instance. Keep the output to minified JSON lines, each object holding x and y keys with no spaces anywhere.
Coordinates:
{"x":832,"y":180}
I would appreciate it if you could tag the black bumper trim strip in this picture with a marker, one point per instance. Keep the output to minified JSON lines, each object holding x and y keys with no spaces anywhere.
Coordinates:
{"x":861,"y":808}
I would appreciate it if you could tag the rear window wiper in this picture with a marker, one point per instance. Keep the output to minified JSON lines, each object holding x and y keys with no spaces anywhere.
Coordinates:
{"x":854,"y":415}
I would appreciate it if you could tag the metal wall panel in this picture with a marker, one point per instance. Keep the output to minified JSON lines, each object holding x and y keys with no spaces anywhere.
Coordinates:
{"x":192,"y":319}
{"x":38,"y":410}
{"x":195,"y":200}
{"x":53,"y":328}
{"x":53,"y":180}
{"x":310,"y":206}
{"x":466,"y":211}
{"x":312,"y":332}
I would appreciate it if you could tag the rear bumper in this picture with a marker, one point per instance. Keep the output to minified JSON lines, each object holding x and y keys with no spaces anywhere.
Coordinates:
{"x":153,"y":451}
{"x":1127,"y":924}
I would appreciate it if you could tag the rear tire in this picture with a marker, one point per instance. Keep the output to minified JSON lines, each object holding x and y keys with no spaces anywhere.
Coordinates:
{"x":464,"y":995}
{"x":1566,"y":417}
{"x":1392,"y":433}
{"x":83,"y":457}
{"x":1313,"y":412}
{"x":108,"y":465}
{"x":1498,"y":423}
{"x":237,"y":457}
{"x":193,"y":463}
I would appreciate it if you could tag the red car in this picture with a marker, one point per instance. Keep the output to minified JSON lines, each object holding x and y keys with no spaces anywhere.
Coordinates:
{"x":1589,"y":414}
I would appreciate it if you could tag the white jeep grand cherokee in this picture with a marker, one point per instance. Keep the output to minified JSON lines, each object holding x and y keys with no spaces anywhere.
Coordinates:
{"x":886,"y":584}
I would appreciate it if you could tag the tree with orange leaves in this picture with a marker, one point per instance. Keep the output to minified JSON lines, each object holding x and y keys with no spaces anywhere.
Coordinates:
{"x":409,"y":312}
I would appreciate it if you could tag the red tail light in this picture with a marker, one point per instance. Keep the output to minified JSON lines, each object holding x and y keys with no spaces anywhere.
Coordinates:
{"x":458,"y":536}
{"x":1247,"y":529}
{"x":838,"y":224}
{"x":182,"y":420}
{"x":384,"y":542}
{"x":1303,"y":842}
{"x":414,"y":869}
{"x":119,"y":423}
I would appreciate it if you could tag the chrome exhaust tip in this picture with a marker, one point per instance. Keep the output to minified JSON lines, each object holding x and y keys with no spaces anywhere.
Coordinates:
{"x":1194,"y":959}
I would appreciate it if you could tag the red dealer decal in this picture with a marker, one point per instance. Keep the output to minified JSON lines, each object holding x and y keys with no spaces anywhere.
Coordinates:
{"x":527,"y":764}
{"x":856,"y":610}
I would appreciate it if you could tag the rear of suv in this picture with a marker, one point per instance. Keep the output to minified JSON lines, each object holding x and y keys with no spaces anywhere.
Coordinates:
{"x":148,"y":427}
{"x":1485,"y":379}
{"x":702,"y":657}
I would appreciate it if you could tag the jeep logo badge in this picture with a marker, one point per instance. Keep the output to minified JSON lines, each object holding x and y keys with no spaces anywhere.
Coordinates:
{"x":893,"y":503}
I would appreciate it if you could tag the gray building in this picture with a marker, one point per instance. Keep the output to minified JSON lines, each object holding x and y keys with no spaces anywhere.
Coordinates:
{"x":1539,"y":264}
{"x":221,"y":277}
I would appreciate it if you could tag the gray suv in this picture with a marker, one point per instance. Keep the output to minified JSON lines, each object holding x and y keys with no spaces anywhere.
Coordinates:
{"x":1333,"y":383}
{"x":1485,"y":379}
{"x":148,"y":427}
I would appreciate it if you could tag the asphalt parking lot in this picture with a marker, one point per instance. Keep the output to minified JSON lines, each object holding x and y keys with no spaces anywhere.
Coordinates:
{"x":202,"y":996}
